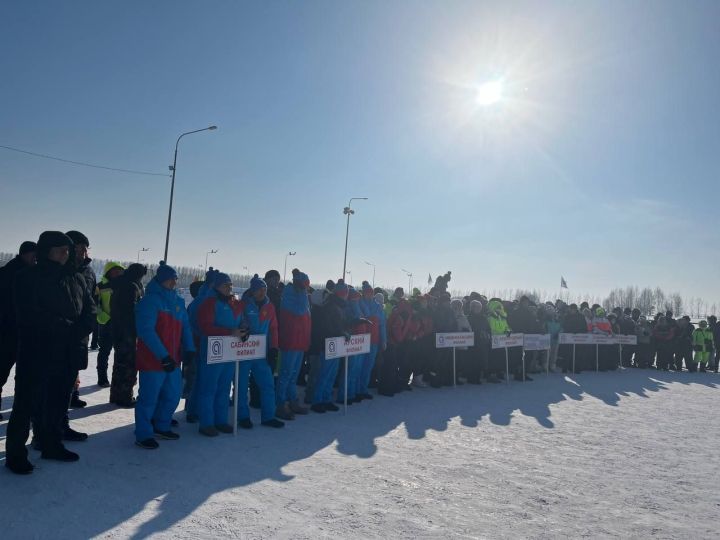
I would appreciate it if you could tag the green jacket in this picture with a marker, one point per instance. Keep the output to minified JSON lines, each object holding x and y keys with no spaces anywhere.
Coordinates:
{"x":703,"y":337}
{"x":104,"y":292}
{"x":497,"y":318}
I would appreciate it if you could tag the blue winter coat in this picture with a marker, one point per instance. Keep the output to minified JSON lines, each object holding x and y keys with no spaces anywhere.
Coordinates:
{"x":162,"y":326}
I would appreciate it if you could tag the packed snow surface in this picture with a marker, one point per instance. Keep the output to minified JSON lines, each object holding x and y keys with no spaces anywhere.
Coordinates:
{"x":630,"y":454}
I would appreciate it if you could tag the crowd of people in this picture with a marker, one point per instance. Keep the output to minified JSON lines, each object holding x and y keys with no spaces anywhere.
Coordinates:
{"x":51,"y":303}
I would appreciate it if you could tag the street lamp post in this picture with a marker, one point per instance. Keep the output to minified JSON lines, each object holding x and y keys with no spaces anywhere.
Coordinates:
{"x":143,"y":250}
{"x":371,"y":264}
{"x":211,"y":252}
{"x":288,"y":254}
{"x":172,"y":183}
{"x":410,"y":280}
{"x":348,"y":212}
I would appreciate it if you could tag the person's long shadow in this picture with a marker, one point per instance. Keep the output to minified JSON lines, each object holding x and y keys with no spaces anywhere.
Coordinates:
{"x":117,"y":482}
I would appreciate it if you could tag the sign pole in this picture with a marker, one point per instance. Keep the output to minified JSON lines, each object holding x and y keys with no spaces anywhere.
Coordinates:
{"x":573,"y":359}
{"x":621,"y":364}
{"x":346,"y":383}
{"x":454,"y":374}
{"x":597,"y":358}
{"x":507,"y":367}
{"x":547,"y":356}
{"x":523,"y":364}
{"x":236,"y":394}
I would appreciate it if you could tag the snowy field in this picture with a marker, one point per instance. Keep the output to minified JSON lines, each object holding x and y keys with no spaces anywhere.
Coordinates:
{"x":632,"y":454}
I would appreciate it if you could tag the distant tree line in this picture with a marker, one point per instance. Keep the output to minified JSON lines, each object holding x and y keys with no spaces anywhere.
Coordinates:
{"x":648,"y":300}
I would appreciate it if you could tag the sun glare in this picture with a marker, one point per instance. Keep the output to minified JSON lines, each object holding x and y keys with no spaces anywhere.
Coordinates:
{"x":489,"y":93}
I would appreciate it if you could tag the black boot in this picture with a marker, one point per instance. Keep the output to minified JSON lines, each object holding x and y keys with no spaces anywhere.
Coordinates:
{"x":103,"y":381}
{"x":60,"y":454}
{"x":19,"y":466}
{"x":76,"y":402}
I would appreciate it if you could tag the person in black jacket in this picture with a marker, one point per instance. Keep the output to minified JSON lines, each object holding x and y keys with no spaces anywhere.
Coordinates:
{"x":331,"y":322}
{"x":480,"y":352}
{"x":575,"y":323}
{"x":54,"y":317}
{"x":79,"y":258}
{"x":683,"y":343}
{"x":127,"y":291}
{"x":8,"y":328}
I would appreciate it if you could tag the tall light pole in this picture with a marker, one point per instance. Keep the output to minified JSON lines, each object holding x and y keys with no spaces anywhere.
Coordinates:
{"x":410,"y":280}
{"x":348,"y":212}
{"x":143,"y":250}
{"x":172,"y":183}
{"x":288,"y":254}
{"x":371,"y":264}
{"x":211,"y":252}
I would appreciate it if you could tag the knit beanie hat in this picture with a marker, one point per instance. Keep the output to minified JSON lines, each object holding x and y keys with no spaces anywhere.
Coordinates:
{"x":165,"y":272}
{"x":341,"y":289}
{"x":51,"y":239}
{"x":256,"y":283}
{"x":78,"y":238}
{"x":353,"y":294}
{"x":300,"y":279}
{"x":367,"y":289}
{"x":221,"y":279}
{"x":27,"y":247}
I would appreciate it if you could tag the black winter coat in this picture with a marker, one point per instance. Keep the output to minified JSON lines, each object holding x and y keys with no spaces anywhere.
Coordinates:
{"x":328,"y":320}
{"x":480,"y":326}
{"x":575,"y":323}
{"x":127,"y":291}
{"x":7,"y":305}
{"x":55,"y":315}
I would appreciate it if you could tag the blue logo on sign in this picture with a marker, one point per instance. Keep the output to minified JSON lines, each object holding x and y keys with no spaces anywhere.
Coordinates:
{"x":216,"y":348}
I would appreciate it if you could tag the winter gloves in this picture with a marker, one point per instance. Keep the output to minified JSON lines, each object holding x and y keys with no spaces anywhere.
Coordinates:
{"x":168,"y":364}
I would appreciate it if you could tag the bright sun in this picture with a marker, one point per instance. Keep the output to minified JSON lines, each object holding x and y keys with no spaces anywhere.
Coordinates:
{"x":489,"y":93}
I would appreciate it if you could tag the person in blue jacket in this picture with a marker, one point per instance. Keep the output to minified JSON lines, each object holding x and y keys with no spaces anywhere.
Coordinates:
{"x":190,"y":390}
{"x":164,"y":340}
{"x":220,"y":314}
{"x":294,"y":339}
{"x":358,"y":325}
{"x":259,"y":313}
{"x":373,"y":311}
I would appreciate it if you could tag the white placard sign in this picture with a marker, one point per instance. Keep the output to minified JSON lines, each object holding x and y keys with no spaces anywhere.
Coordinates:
{"x":445,"y":340}
{"x":602,"y":339}
{"x":626,"y":340}
{"x":232,"y":349}
{"x":536,"y":342}
{"x":337,"y":347}
{"x":576,"y":339}
{"x":502,"y":341}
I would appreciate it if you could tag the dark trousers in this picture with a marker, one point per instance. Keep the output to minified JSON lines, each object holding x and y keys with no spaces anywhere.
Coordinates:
{"x":683,"y":353}
{"x":94,"y":340}
{"x":643,"y":358}
{"x":58,"y":383}
{"x":388,"y":372}
{"x":664,"y":357}
{"x":26,"y":404}
{"x":627,"y":354}
{"x":124,"y":374}
{"x":476,"y":362}
{"x":8,"y":354}
{"x":105,"y":341}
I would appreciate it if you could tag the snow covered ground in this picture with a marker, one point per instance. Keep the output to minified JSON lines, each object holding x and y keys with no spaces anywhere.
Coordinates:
{"x":626,"y":454}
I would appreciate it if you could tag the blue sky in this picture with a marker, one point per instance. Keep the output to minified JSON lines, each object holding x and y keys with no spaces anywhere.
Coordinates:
{"x":599,"y":163}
